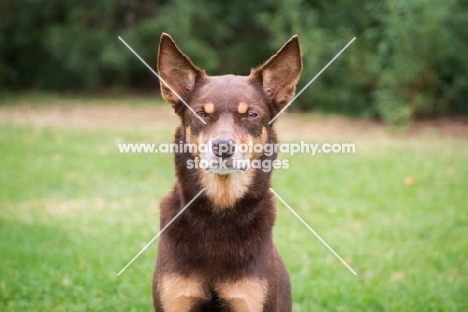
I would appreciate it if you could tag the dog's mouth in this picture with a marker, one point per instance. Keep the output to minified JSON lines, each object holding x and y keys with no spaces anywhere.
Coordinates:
{"x":225,"y":171}
{"x":225,"y":165}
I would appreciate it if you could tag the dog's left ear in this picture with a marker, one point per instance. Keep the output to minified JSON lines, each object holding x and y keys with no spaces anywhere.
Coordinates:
{"x":178,"y":71}
{"x":280,"y":74}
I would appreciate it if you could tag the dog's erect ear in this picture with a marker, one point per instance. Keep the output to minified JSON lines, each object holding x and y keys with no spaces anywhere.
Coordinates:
{"x":178,"y":71}
{"x":279,"y":75}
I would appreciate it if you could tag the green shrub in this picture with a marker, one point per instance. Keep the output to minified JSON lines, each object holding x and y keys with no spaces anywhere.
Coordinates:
{"x":408,"y":60}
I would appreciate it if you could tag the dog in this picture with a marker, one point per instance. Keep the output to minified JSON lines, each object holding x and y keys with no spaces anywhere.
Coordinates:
{"x":219,"y":255}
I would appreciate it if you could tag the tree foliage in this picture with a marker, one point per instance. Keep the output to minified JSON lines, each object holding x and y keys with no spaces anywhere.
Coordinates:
{"x":409,"y":58}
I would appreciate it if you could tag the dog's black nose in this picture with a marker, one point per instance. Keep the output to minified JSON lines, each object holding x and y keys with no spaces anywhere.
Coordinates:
{"x":223,"y":147}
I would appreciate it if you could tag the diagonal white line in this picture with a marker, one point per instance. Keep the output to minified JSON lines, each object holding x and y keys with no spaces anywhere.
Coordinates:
{"x":313,"y":232}
{"x":313,"y":79}
{"x":162,"y":80}
{"x":160,"y":232}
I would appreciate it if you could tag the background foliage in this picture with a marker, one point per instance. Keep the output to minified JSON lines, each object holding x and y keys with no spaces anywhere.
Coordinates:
{"x":409,"y":59}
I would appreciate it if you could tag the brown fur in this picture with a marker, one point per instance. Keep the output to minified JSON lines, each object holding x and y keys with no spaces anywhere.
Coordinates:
{"x":219,"y":254}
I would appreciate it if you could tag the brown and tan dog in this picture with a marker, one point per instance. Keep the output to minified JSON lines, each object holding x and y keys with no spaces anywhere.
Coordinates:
{"x":219,"y":254}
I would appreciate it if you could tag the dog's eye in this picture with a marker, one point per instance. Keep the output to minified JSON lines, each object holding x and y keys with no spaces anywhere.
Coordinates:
{"x":202,"y":113}
{"x":252,"y":114}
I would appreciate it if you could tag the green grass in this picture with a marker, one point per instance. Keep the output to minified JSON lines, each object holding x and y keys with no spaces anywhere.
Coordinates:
{"x":73,"y":212}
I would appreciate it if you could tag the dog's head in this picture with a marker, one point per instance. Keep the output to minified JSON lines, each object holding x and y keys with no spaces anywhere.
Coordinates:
{"x":227,"y":114}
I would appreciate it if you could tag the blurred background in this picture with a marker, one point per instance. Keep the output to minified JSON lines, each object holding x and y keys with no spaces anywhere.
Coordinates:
{"x":74,"y":211}
{"x":409,"y":59}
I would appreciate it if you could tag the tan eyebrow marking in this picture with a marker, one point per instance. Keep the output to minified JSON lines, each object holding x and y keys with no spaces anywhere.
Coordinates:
{"x":209,"y":108}
{"x":242,"y":108}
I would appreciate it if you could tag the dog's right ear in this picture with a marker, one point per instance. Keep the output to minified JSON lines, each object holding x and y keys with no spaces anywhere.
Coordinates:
{"x":178,"y":73}
{"x":280,"y":74}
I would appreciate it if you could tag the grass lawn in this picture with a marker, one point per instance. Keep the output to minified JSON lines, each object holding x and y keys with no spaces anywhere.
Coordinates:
{"x":73,"y":211}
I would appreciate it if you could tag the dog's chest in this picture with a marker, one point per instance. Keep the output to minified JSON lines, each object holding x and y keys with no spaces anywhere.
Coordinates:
{"x":218,"y":245}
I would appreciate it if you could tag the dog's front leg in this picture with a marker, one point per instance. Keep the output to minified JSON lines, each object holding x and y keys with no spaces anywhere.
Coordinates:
{"x":179,"y":294}
{"x":246,"y":295}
